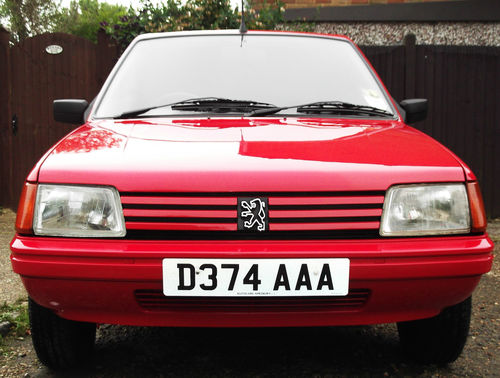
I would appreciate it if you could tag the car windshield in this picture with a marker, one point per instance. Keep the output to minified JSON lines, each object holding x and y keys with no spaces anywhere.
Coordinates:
{"x":279,"y":70}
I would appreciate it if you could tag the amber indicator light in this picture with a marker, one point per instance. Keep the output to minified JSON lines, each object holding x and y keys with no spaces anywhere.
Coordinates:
{"x":477,"y":213}
{"x":25,"y":210}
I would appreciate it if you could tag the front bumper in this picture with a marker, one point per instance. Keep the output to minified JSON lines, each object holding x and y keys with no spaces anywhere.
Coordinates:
{"x":101,"y":281}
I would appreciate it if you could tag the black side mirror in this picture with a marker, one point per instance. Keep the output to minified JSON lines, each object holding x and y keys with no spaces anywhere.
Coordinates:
{"x":415,"y":109}
{"x":70,"y":111}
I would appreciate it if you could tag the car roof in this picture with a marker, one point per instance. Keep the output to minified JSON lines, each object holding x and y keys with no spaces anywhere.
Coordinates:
{"x":191,"y":33}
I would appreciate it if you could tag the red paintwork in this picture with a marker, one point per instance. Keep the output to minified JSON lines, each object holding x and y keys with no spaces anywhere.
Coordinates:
{"x":198,"y":155}
{"x":408,"y":278}
{"x":95,"y":280}
{"x":324,"y":226}
{"x":179,"y":213}
{"x":325,"y":200}
{"x":324,"y":213}
{"x":180,"y":200}
{"x":198,"y":226}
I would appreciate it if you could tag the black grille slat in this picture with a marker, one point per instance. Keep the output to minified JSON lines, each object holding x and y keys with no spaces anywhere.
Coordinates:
{"x":180,"y":220}
{"x":233,"y":220}
{"x":271,"y":207}
{"x":245,"y":235}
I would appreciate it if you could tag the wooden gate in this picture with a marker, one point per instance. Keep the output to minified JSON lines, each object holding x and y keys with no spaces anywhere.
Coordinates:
{"x":32,"y":74}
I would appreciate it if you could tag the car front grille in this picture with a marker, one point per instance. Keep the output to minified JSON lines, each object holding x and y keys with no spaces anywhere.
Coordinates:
{"x":344,"y":212}
{"x":154,"y":300}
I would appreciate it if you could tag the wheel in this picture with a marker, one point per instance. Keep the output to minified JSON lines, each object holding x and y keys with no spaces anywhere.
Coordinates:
{"x":440,"y":339}
{"x":59,"y":343}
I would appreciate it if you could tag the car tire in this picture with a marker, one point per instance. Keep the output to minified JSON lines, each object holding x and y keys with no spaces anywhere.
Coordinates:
{"x":440,"y":339}
{"x":59,"y":343}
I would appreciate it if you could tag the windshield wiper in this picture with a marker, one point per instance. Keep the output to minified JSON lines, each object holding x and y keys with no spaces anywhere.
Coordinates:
{"x":325,"y":107}
{"x":221,"y":105}
{"x":204,"y":104}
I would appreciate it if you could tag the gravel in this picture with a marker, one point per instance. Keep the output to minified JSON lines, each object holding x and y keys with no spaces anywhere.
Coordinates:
{"x":345,"y":351}
{"x":427,"y":33}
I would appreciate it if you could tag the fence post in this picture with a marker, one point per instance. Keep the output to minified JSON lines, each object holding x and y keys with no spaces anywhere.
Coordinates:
{"x":5,"y":135}
{"x":410,"y":65}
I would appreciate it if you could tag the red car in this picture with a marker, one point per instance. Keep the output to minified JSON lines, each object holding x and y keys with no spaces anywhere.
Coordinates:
{"x":260,"y":179}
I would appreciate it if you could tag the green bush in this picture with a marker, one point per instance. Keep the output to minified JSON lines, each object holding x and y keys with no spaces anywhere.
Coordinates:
{"x":84,"y":18}
{"x":191,"y":15}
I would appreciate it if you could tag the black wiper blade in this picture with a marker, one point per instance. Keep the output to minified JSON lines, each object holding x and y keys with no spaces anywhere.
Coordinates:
{"x":221,"y":105}
{"x":202,"y":104}
{"x":328,"y":107}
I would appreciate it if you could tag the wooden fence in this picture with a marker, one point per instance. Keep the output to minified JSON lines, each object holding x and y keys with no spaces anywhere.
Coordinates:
{"x":461,"y":83}
{"x":32,"y":74}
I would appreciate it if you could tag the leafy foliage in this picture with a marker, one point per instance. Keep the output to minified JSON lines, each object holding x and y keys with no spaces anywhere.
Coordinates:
{"x":174,"y":15}
{"x":84,"y":17}
{"x":26,"y":18}
{"x":266,"y":17}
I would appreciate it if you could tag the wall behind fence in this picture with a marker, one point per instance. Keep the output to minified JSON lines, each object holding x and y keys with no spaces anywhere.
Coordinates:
{"x":461,"y":83}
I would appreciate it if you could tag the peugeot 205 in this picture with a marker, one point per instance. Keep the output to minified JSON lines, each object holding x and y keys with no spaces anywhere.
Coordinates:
{"x":259,"y":179}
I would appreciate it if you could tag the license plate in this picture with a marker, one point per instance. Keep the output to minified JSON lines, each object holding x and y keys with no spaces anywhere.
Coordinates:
{"x":255,"y":277}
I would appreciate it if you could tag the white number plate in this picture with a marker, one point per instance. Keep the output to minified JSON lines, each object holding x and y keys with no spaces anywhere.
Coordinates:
{"x":255,"y":277}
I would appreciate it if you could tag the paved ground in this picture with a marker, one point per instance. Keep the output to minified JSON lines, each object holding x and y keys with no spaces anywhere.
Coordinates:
{"x":344,"y":351}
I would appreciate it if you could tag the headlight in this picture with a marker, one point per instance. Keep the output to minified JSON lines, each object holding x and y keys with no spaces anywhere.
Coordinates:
{"x":425,"y":210}
{"x":78,"y":211}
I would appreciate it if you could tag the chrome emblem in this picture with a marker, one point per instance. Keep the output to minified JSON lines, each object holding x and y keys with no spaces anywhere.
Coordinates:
{"x":253,"y":214}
